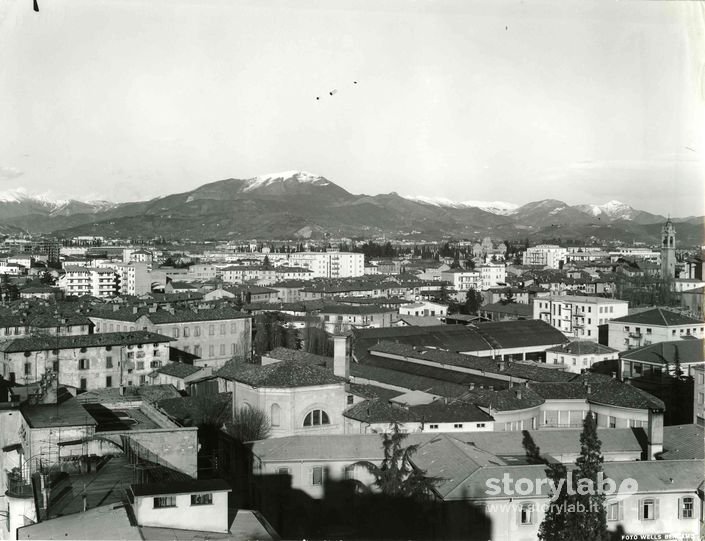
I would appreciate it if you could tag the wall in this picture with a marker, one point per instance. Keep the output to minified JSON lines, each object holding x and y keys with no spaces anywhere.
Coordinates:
{"x":184,"y":516}
{"x":622,"y":339}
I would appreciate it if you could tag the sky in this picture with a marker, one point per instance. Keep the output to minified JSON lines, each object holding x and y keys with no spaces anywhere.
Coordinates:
{"x":514,"y":101}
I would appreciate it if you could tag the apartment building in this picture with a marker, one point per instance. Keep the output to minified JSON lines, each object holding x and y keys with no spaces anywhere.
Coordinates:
{"x":330,"y":264}
{"x":90,"y":361}
{"x":492,"y":274}
{"x":545,"y":255}
{"x":96,"y":282}
{"x":576,"y":316}
{"x":215,"y":335}
{"x":463,"y":280}
{"x":135,"y":278}
{"x":652,"y":326}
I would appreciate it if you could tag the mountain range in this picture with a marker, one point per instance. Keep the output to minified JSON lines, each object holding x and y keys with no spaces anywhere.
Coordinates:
{"x":297,"y":204}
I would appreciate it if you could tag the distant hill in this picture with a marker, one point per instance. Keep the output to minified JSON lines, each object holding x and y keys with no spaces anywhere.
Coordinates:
{"x":296,"y":204}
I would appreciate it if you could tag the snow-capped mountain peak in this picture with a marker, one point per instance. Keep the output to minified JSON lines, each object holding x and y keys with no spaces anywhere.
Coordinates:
{"x":495,"y":207}
{"x":612,"y":209}
{"x":300,"y":177}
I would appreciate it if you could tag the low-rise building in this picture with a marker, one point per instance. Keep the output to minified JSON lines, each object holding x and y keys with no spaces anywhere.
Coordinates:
{"x":652,"y":326}
{"x":579,"y":355}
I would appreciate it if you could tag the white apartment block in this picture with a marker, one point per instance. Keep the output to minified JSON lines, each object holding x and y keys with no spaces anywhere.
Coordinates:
{"x":97,"y":282}
{"x":491,"y":275}
{"x":578,"y":317}
{"x":545,"y":255}
{"x":330,"y":264}
{"x":135,"y":278}
{"x":463,"y":280}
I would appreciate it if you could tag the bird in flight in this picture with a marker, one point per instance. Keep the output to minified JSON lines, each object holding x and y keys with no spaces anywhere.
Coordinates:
{"x":331,"y":92}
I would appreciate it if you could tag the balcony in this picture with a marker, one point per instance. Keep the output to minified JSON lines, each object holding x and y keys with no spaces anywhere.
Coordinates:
{"x":636,"y":335}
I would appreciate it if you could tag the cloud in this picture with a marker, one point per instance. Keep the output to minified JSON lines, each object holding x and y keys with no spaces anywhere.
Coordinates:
{"x":8,"y":173}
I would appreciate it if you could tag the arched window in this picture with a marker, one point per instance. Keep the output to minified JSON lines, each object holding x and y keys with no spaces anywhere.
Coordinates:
{"x":316,"y":417}
{"x":275,"y":416}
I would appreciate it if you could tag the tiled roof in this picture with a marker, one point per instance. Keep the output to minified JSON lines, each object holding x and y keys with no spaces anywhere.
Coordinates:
{"x":179,"y":370}
{"x":378,"y":410}
{"x":524,"y":370}
{"x":607,"y":390}
{"x":68,"y":412}
{"x":516,"y":398}
{"x":683,"y":442}
{"x":148,"y":393}
{"x":179,"y":315}
{"x":521,"y":333}
{"x":286,"y":354}
{"x":659,"y":317}
{"x":582,"y":347}
{"x":281,"y":374}
{"x":38,"y":343}
{"x":180,"y":487}
{"x":372,"y":391}
{"x":357,"y":310}
{"x":511,"y":308}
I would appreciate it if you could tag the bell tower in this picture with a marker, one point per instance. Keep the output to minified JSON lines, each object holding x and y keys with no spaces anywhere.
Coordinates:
{"x":668,"y":250}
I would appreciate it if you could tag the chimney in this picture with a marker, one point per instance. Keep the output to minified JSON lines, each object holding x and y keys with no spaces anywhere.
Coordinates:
{"x":116,"y":307}
{"x":122,"y":390}
{"x":589,"y":389}
{"x":501,"y":365}
{"x":491,"y":387}
{"x":341,"y":361}
{"x":134,"y":309}
{"x":654,"y":434}
{"x":471,"y":386}
{"x":517,"y":392}
{"x":614,"y":375}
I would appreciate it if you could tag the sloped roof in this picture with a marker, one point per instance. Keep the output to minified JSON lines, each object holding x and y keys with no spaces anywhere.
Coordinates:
{"x":524,"y":370}
{"x":607,"y":390}
{"x":282,"y":374}
{"x":286,"y":354}
{"x":688,"y":351}
{"x":683,"y":442}
{"x":521,"y":333}
{"x":37,"y":343}
{"x":659,"y":317}
{"x":179,"y":370}
{"x":582,"y":347}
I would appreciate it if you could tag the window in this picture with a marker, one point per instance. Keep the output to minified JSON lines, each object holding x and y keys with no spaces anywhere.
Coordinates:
{"x":140,"y":365}
{"x":480,"y":425}
{"x":27,"y":369}
{"x":701,"y":396}
{"x":108,"y":381}
{"x":526,"y":513}
{"x":83,"y":364}
{"x":155,"y":364}
{"x":275,"y":415}
{"x":648,"y":509}
{"x":317,"y":475}
{"x":143,"y":379}
{"x":316,"y":417}
{"x":222,"y":349}
{"x":156,"y":353}
{"x":685,"y":508}
{"x":108,"y":362}
{"x":84,"y":384}
{"x":614,"y":511}
{"x":222,"y":328}
{"x":211,"y":330}
{"x":162,"y":502}
{"x":283,"y":471}
{"x":458,"y":425}
{"x":186,"y":332}
{"x":351,"y":399}
{"x":202,"y":499}
{"x":211,"y":350}
{"x":175,"y":332}
{"x":130,"y":354}
{"x":433,"y":427}
{"x":197,"y":350}
{"x":612,"y":422}
{"x":233,"y":328}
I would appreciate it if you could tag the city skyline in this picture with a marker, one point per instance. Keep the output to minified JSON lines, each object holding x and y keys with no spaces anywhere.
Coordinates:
{"x":509,"y":101}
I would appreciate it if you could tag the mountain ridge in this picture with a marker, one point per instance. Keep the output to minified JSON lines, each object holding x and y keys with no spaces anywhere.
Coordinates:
{"x":292,"y":204}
